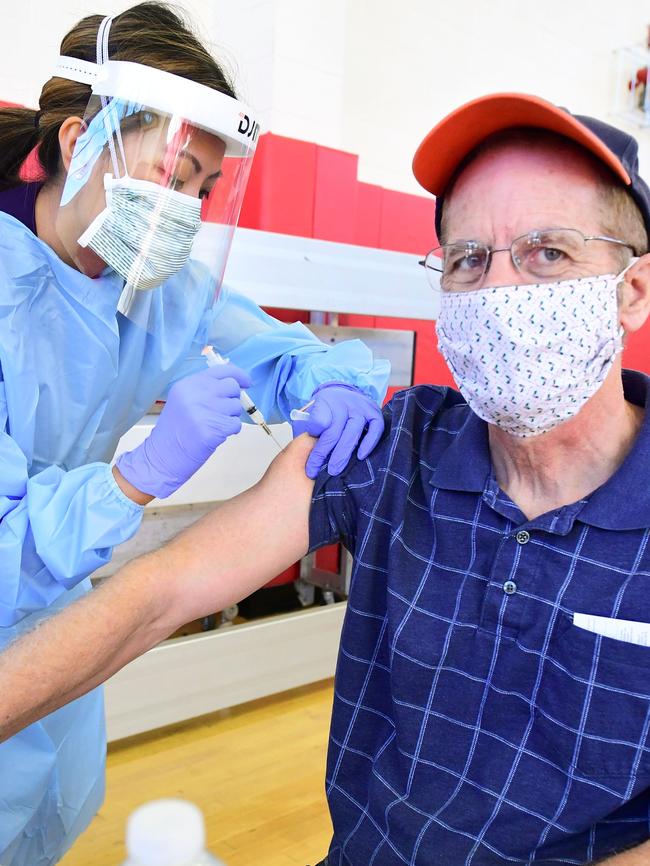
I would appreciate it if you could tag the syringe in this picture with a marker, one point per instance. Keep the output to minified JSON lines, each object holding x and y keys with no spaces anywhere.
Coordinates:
{"x":214,"y":358}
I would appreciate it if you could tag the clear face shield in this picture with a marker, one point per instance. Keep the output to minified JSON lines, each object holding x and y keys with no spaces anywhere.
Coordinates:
{"x":155,"y":183}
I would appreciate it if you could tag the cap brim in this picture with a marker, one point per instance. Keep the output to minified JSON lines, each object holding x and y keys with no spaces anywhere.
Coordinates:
{"x":456,"y":136}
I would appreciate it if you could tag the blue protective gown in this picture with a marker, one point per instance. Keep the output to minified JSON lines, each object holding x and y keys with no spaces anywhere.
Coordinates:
{"x":74,"y":377}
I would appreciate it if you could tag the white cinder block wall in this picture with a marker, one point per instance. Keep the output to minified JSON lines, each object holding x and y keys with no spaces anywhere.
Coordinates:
{"x":371,"y":76}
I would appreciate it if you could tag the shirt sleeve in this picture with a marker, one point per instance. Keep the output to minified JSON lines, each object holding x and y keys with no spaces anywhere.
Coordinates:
{"x":56,"y":527}
{"x":338,"y":502}
{"x":287,"y":363}
{"x":344,"y":505}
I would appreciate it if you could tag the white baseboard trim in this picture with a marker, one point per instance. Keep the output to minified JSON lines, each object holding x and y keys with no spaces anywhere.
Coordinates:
{"x":188,"y":677}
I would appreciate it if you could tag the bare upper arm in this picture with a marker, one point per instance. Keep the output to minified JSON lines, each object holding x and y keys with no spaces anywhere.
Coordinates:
{"x":634,"y":857}
{"x":222,"y":558}
{"x":245,"y":543}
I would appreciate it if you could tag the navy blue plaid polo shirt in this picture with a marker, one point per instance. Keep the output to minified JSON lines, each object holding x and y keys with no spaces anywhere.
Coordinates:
{"x":473,"y":722}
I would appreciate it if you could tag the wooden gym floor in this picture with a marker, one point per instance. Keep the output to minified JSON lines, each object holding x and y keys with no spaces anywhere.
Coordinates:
{"x":257,"y":772}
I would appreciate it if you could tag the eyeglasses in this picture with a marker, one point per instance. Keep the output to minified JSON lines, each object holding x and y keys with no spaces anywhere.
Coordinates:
{"x":541,"y":255}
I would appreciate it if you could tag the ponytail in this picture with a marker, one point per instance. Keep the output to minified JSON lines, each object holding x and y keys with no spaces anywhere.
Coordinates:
{"x":19,"y":135}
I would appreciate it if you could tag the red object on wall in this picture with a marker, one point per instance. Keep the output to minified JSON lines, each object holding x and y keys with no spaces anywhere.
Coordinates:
{"x":289,"y":575}
{"x":407,"y":223}
{"x":335,"y":196}
{"x":280,"y":192}
{"x":31,"y":169}
{"x":369,"y":208}
{"x":300,"y":188}
{"x":636,"y":355}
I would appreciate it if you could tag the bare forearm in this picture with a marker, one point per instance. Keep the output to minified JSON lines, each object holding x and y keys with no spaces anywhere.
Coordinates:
{"x":639,"y":856}
{"x":73,"y":652}
{"x":217,"y":561}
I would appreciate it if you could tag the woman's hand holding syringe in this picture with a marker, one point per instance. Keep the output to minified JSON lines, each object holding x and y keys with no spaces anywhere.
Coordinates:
{"x":214,"y":358}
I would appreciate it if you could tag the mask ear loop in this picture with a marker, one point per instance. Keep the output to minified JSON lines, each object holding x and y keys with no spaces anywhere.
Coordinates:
{"x":632,"y":262}
{"x":111,"y":116}
{"x":113,"y":134}
{"x":620,"y":279}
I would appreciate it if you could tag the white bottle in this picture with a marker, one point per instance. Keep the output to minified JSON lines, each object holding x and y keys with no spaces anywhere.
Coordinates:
{"x":167,"y":833}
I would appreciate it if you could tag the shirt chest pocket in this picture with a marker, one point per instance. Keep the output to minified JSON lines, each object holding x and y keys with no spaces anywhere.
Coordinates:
{"x":592,"y":707}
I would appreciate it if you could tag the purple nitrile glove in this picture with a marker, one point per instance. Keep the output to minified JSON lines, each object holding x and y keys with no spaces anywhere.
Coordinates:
{"x":338,"y":418}
{"x":201,"y":412}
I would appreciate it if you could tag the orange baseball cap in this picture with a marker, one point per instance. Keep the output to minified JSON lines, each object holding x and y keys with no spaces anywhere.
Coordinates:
{"x":456,"y":136}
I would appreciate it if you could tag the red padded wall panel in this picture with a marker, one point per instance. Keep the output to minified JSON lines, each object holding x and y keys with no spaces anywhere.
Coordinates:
{"x":356,"y":320}
{"x":280,"y":193}
{"x":329,"y":558}
{"x":288,"y":316}
{"x":369,"y":202}
{"x":288,"y":576}
{"x":335,"y":195}
{"x":407,"y":223}
{"x":367,"y":233}
{"x":637,"y":350}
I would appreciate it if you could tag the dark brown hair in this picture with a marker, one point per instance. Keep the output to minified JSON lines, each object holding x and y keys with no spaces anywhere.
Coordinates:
{"x":151,"y":33}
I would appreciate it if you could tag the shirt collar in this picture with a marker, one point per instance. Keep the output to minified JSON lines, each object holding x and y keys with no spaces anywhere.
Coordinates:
{"x":466,"y":464}
{"x":622,"y":502}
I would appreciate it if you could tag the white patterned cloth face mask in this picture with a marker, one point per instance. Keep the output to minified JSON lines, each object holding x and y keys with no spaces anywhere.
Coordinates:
{"x":145,"y":233}
{"x":527,"y":358}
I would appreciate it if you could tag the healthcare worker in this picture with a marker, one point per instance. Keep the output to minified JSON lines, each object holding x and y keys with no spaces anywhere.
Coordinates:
{"x":109,"y":290}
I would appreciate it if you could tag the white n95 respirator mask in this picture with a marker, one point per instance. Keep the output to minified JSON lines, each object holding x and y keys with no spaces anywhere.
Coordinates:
{"x":145,"y":233}
{"x":527,"y":358}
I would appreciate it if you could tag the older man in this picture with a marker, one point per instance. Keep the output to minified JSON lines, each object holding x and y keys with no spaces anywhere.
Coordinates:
{"x":492,"y":699}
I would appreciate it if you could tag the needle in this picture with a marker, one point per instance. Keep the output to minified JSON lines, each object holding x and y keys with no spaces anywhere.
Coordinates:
{"x":214,"y":358}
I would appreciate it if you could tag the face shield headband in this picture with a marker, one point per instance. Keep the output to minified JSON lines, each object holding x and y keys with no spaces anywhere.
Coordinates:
{"x":209,"y":109}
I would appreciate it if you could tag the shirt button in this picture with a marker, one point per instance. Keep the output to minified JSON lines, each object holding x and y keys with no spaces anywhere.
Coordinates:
{"x":523,"y":537}
{"x":509,"y":587}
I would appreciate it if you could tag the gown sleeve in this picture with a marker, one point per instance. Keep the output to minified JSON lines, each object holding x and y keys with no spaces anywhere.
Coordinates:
{"x":287,"y":363}
{"x":56,"y":527}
